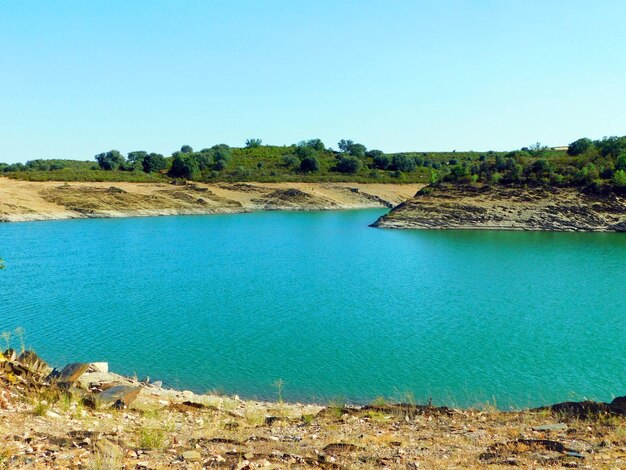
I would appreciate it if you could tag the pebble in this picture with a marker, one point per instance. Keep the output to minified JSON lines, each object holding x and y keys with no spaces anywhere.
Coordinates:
{"x":192,"y":456}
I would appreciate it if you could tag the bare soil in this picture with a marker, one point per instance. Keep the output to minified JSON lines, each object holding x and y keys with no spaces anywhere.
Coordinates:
{"x":26,"y":200}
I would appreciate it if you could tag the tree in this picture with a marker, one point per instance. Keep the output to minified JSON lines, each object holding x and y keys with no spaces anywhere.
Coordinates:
{"x":459,"y":171}
{"x":354,"y":149}
{"x":619,"y":178}
{"x":303,"y":152}
{"x":310,"y":165}
{"x":184,"y":166}
{"x":291,"y":161}
{"x":349,"y":164}
{"x":611,"y":146}
{"x":220,"y":165}
{"x":154,"y":162}
{"x":110,"y":160}
{"x":382,"y":161}
{"x":579,"y":146}
{"x":253,"y":143}
{"x":620,"y":163}
{"x":316,"y":144}
{"x":374,"y":153}
{"x":186,"y":149}
{"x":543,"y":167}
{"x":2,"y":265}
{"x":221,"y":152}
{"x":403,"y":163}
{"x":344,"y":145}
{"x":204,"y":160}
{"x":536,"y":149}
{"x":357,"y":150}
{"x":136,"y":157}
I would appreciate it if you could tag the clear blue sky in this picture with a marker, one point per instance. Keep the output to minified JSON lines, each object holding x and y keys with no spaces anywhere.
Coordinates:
{"x":80,"y":77}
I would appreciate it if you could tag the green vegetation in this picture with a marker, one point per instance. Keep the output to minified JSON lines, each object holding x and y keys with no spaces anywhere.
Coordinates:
{"x":151,"y":438}
{"x":596,"y":165}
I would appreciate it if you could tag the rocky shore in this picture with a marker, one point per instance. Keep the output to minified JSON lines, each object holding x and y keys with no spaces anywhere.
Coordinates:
{"x":465,"y":207}
{"x":83,"y":416}
{"x":29,"y":201}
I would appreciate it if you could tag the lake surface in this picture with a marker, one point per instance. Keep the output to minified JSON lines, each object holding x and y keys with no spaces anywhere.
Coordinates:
{"x":325,"y":303}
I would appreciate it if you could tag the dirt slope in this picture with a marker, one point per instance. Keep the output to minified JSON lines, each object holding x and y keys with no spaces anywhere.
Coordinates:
{"x":26,"y":200}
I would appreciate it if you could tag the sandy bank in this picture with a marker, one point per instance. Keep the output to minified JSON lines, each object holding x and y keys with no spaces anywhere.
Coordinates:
{"x":26,"y":200}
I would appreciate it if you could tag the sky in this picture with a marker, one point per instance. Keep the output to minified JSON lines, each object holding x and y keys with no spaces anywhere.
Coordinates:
{"x":81,"y":77}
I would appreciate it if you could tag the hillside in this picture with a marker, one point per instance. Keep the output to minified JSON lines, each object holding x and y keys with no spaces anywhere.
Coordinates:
{"x":26,"y":200}
{"x":470,"y":207}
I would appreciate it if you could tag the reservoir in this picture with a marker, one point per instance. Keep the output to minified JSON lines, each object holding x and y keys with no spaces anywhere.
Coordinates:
{"x":331,"y":307}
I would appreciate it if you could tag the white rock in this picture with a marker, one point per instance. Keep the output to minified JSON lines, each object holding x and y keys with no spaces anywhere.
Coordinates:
{"x":100,"y":366}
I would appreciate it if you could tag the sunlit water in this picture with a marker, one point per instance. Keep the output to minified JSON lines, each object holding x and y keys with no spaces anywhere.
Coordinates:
{"x":325,"y":303}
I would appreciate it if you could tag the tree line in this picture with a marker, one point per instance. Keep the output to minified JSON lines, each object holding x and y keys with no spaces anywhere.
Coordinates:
{"x":593,"y":164}
{"x":596,"y":165}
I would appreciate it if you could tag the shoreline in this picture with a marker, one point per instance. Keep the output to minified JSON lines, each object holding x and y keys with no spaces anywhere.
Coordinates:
{"x":90,"y":418}
{"x":25,"y":201}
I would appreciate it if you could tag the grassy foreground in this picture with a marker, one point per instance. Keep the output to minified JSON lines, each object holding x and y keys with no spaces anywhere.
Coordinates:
{"x":51,"y":426}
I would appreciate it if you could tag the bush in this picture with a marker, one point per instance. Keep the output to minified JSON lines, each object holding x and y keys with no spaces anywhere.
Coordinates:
{"x":403,"y":163}
{"x":303,"y":151}
{"x":154,"y":162}
{"x":220,"y":165}
{"x":579,"y":146}
{"x":110,"y":160}
{"x":619,"y":178}
{"x":349,"y":164}
{"x":184,"y":166}
{"x":222,"y":152}
{"x":315,"y":144}
{"x":374,"y":153}
{"x":382,"y":161}
{"x":310,"y":165}
{"x":291,"y":161}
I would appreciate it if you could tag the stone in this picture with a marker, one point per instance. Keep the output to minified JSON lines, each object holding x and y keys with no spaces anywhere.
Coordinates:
{"x":70,"y":373}
{"x":99,"y":367}
{"x":118,"y":396}
{"x":551,"y":427}
{"x":192,"y":456}
{"x":619,"y":405}
{"x":34,"y":363}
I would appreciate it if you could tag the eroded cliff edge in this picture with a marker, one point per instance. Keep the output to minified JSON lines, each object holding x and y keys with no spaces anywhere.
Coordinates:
{"x":468,"y":207}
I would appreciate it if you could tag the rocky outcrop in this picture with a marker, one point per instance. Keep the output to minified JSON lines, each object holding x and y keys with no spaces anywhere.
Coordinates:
{"x":508,"y":208}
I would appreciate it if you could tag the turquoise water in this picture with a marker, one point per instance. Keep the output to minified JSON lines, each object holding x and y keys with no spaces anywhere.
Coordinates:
{"x":325,"y":303}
